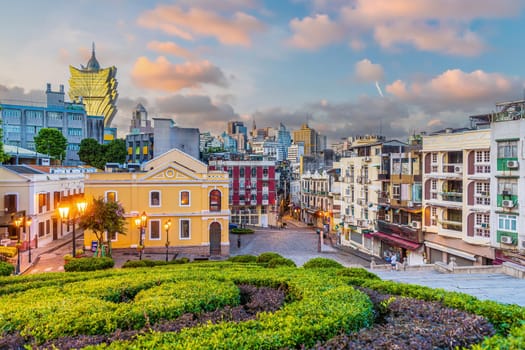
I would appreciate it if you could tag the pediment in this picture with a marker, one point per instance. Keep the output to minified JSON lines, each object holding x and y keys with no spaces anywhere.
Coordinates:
{"x":170,"y":173}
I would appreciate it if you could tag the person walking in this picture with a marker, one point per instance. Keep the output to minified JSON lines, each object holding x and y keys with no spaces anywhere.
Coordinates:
{"x":393,"y":262}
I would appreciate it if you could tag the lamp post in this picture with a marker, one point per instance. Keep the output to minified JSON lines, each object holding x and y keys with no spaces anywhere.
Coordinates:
{"x":167,"y":226}
{"x":18,"y":223}
{"x":64,"y":215}
{"x":140,"y":222}
{"x":28,"y":224}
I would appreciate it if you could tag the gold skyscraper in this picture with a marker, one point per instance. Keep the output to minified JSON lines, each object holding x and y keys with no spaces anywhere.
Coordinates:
{"x":96,"y":87}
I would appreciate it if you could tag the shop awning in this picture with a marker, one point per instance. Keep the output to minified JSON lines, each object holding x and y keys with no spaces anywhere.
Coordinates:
{"x":452,"y":251}
{"x":396,"y":241}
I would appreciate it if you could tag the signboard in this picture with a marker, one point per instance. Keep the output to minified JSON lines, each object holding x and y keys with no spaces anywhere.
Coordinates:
{"x":94,"y":246}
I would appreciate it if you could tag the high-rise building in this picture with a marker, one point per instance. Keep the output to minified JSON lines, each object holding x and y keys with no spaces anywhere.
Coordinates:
{"x":140,"y":140}
{"x":309,"y":137}
{"x":96,"y":87}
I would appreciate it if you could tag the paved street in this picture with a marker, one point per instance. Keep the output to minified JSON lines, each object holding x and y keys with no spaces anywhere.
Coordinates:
{"x":296,"y":243}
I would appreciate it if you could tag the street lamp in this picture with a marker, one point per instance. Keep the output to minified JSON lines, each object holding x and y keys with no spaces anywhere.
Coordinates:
{"x":28,"y":224}
{"x":64,"y":215}
{"x":167,"y":226}
{"x":18,"y":223}
{"x":140,"y":222}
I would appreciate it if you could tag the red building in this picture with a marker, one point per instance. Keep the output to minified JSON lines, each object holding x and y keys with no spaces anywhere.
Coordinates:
{"x":252,"y":190}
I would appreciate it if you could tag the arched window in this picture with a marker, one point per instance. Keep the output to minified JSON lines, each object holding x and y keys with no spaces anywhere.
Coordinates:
{"x":215,"y":200}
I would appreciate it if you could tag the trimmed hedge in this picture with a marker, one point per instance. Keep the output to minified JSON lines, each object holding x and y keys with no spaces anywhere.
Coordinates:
{"x":323,"y":263}
{"x":278,"y":262}
{"x":243,"y":259}
{"x":242,"y":231}
{"x":6,"y":269}
{"x":264,"y":258}
{"x":8,"y":252}
{"x":88,"y":264}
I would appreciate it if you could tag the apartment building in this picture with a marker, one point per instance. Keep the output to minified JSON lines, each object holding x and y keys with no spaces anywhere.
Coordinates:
{"x":315,"y":203}
{"x":457,"y":196}
{"x":252,"y":190}
{"x":507,"y":183}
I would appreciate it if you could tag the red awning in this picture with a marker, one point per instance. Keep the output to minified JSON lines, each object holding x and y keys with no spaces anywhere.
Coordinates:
{"x":396,"y":241}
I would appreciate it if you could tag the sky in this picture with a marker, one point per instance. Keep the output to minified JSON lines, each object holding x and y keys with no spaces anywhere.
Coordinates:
{"x":345,"y":67}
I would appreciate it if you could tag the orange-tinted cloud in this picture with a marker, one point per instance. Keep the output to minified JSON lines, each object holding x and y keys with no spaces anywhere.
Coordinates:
{"x":169,"y":48}
{"x":164,"y":75}
{"x":188,"y":24}
{"x":427,"y":25}
{"x":314,"y":32}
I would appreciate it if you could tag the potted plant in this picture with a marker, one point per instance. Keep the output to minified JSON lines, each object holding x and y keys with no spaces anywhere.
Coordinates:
{"x":67,"y":258}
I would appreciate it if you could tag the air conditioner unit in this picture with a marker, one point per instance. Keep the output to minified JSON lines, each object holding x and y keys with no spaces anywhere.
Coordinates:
{"x":506,"y":239}
{"x":410,"y":204}
{"x":513,"y":164}
{"x":484,"y":193}
{"x":484,"y":225}
{"x":507,"y":203}
{"x":458,"y":169}
{"x":367,"y":159}
{"x":415,"y":224}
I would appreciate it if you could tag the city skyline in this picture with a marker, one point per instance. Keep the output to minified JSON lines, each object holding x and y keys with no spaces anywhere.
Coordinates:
{"x":345,"y":67}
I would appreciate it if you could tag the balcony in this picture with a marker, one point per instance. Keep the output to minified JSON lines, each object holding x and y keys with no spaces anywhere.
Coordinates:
{"x":403,"y":231}
{"x":452,"y":197}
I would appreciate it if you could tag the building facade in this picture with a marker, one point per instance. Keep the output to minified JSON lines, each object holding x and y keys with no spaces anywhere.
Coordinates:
{"x":35,"y":192}
{"x":457,"y":197}
{"x":308,"y":137}
{"x":21,"y":123}
{"x":173,"y":187}
{"x":168,"y":136}
{"x":507,"y":182}
{"x":253,"y":193}
{"x":140,"y":140}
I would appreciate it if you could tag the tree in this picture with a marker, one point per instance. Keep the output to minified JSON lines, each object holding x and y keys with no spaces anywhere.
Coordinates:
{"x":115,"y":151}
{"x":103,"y":218}
{"x":92,"y":153}
{"x":50,"y":141}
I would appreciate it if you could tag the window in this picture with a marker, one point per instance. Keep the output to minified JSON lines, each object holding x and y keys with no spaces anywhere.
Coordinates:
{"x":482,"y":228}
{"x":10,"y":203}
{"x":154,"y":199}
{"x":215,"y":200}
{"x":111,"y":196}
{"x":482,"y":156}
{"x":265,"y":172}
{"x":74,"y":132}
{"x":56,"y":116}
{"x":434,"y":157}
{"x":43,"y":202}
{"x":508,"y":187}
{"x":508,"y":149}
{"x":433,"y":217}
{"x":396,"y":191}
{"x":154,"y":230}
{"x":254,"y":172}
{"x":184,"y":229}
{"x":241,"y":172}
{"x":184,"y":198}
{"x":507,"y":222}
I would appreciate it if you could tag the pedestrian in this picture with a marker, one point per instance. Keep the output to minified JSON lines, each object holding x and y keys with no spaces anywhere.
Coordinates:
{"x":393,"y":262}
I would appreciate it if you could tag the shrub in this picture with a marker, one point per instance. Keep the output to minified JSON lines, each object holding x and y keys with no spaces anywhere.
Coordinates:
{"x":357,"y":272}
{"x":276,"y":262}
{"x":317,"y":263}
{"x":89,"y":264}
{"x":264,"y":258}
{"x":179,"y":261}
{"x":243,"y":259}
{"x":134,"y":263}
{"x":242,"y":231}
{"x":6,"y":269}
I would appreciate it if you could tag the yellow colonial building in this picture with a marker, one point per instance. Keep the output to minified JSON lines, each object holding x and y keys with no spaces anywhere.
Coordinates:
{"x":185,"y":206}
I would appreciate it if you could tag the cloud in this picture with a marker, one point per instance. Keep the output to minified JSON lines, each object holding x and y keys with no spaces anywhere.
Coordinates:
{"x":312,"y":33}
{"x":198,"y":111}
{"x":163,"y":75}
{"x":457,"y":90}
{"x":223,"y":5}
{"x":169,"y":48}
{"x":366,"y":71}
{"x":427,"y":25}
{"x":235,"y":29}
{"x":18,"y":95}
